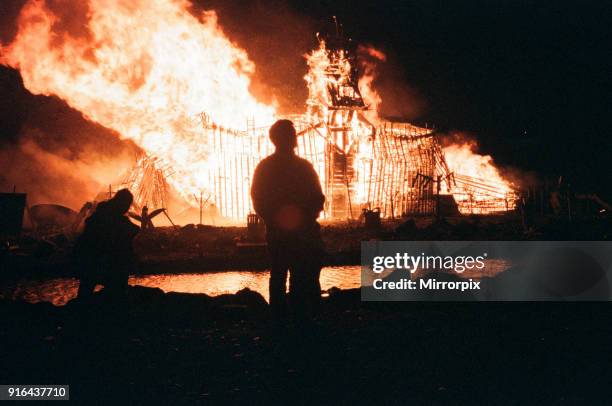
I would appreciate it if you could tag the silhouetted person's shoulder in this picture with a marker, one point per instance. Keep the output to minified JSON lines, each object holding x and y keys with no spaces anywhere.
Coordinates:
{"x":284,"y":171}
{"x":286,"y":179}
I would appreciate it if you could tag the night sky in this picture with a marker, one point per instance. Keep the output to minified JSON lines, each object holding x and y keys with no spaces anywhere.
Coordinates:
{"x":531,"y":80}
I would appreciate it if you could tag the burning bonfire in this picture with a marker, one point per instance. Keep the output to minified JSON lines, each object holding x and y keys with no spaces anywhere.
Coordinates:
{"x":176,"y":85}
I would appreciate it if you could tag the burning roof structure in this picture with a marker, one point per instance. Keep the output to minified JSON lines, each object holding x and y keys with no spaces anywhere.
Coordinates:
{"x":174,"y":84}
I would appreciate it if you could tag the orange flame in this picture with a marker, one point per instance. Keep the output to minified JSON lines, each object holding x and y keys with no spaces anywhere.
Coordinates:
{"x":462,"y":159}
{"x":478,"y":186}
{"x":148,"y":69}
{"x":153,"y":72}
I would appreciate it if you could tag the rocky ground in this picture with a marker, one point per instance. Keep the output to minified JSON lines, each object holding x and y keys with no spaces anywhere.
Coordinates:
{"x":181,"y":348}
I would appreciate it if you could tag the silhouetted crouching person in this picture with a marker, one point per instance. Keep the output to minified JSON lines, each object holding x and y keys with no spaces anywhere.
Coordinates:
{"x":104,"y":252}
{"x":287,"y":194}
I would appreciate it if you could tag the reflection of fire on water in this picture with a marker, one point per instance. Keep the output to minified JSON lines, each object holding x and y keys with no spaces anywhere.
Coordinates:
{"x":152,"y":81}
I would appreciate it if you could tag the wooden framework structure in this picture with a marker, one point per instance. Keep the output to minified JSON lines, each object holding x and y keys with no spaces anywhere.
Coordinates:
{"x":396,"y":168}
{"x":387,"y":169}
{"x":147,"y":182}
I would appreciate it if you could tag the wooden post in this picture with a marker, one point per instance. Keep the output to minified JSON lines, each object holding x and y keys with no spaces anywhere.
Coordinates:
{"x":200,"y":207}
{"x":438,"y":182}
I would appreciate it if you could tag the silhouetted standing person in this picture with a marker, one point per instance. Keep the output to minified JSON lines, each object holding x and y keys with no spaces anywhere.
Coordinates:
{"x":104,"y":251}
{"x":287,"y":194}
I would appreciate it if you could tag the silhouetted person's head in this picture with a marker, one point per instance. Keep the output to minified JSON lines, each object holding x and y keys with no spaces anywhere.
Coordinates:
{"x":122,"y":201}
{"x":283,"y":136}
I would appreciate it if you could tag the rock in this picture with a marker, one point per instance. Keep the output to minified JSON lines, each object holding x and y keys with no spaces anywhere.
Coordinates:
{"x":252,"y":302}
{"x":344,"y":298}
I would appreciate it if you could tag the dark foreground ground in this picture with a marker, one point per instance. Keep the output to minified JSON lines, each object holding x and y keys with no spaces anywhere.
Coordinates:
{"x":180,"y":348}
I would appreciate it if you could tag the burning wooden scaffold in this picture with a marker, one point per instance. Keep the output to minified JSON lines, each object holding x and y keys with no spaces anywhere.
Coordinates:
{"x":397,"y":168}
{"x":389,"y":169}
{"x":147,"y":181}
{"x":363,"y":162}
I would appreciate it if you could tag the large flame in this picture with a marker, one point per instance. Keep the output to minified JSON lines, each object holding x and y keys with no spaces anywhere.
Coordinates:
{"x":147,"y":69}
{"x":478,"y":186}
{"x":179,"y":88}
{"x":476,"y":183}
{"x":462,"y":159}
{"x":329,"y":66}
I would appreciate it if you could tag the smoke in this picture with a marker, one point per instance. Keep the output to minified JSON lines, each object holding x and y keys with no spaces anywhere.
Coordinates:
{"x":51,"y":151}
{"x":59,"y":156}
{"x":72,"y":17}
{"x":9,"y":10}
{"x":276,"y":39}
{"x":47,"y":149}
{"x":57,"y":176}
{"x":398,"y":101}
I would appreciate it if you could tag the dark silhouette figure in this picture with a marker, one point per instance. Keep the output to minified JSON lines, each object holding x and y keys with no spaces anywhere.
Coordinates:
{"x":145,"y":218}
{"x":104,"y":251}
{"x":287,"y":194}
